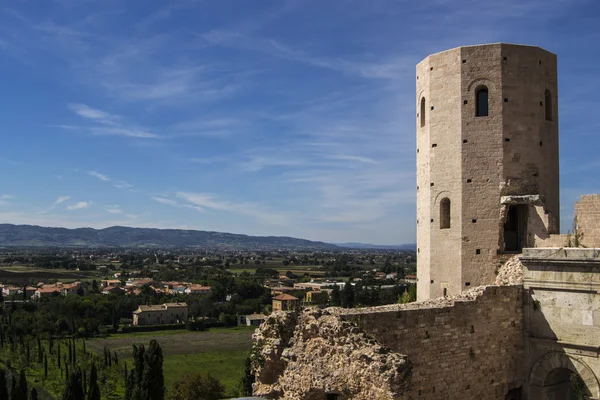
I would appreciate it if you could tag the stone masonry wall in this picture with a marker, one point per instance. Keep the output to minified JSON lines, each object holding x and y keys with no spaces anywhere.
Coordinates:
{"x":587,"y":210}
{"x":458,"y":348}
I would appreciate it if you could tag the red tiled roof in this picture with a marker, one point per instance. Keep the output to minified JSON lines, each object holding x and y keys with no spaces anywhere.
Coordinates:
{"x":285,"y":297}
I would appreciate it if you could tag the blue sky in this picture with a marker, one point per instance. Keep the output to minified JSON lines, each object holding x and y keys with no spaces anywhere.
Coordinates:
{"x":265,"y":117}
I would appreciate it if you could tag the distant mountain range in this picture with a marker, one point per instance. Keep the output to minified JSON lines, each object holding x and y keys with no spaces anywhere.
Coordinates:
{"x":119,"y":236}
{"x":354,"y":245}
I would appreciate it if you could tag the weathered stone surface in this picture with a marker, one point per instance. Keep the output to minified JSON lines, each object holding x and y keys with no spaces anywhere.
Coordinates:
{"x":325,"y":355}
{"x":511,"y":273}
{"x":473,"y":161}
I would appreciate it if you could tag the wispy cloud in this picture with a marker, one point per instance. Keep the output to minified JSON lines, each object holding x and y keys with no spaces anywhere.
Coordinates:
{"x":79,"y":205}
{"x":98,"y":175}
{"x":4,"y":199}
{"x":389,"y":69}
{"x":105,"y":124}
{"x":61,"y":199}
{"x":174,"y":203}
{"x":114,"y":209}
{"x":209,"y":201}
{"x":88,"y":112}
{"x":123,"y":185}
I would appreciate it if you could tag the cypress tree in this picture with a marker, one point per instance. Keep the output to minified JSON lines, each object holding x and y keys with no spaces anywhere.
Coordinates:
{"x":247,"y":379}
{"x":45,"y":366}
{"x":40,"y":350}
{"x":21,"y":392}
{"x":3,"y":385}
{"x":66,"y":369}
{"x":84,"y":350}
{"x":129,"y":385}
{"x":28,"y":352}
{"x":34,"y":395}
{"x":70,"y":353}
{"x":153,"y":381}
{"x":58,"y":356}
{"x":73,"y":389}
{"x":116,"y":358}
{"x":74,"y":354}
{"x":94,"y":390}
{"x":84,"y":381}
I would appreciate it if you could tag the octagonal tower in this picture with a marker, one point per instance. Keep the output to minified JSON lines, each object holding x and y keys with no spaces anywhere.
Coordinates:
{"x":487,"y":161}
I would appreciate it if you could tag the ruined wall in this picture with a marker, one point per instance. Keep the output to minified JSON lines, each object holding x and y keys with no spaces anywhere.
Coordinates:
{"x":467,"y":346}
{"x":587,"y":210}
{"x":309,"y":355}
{"x":458,"y":348}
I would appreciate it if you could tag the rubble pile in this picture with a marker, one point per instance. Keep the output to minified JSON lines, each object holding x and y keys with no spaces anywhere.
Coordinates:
{"x":511,"y":273}
{"x":324,"y":355}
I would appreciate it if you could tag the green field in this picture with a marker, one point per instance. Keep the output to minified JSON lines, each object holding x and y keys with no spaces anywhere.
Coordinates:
{"x":220,"y":351}
{"x":23,"y":274}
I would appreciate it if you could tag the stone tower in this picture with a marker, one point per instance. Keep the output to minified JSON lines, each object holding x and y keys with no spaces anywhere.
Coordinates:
{"x":487,"y":161}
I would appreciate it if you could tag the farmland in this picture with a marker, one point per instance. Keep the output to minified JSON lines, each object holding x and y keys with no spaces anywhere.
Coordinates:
{"x":220,"y":351}
{"x":25,"y":274}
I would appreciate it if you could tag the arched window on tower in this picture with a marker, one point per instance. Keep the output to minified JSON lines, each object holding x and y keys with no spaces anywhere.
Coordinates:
{"x":422,"y":112}
{"x":548,"y":101}
{"x":445,"y":213}
{"x":481,"y":101}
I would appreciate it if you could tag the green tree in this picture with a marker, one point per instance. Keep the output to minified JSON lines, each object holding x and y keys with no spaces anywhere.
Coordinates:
{"x":247,"y":379}
{"x":347,"y":295}
{"x":21,"y":392}
{"x":93,"y":390}
{"x":152,"y":385}
{"x":198,"y":386}
{"x":74,"y":388}
{"x":3,"y":385}
{"x":335,"y":296}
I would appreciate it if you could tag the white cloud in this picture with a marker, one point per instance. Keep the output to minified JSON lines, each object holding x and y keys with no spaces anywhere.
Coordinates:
{"x":206,"y":200}
{"x":123,"y":185}
{"x":4,"y":199}
{"x":61,"y":199}
{"x":169,"y":202}
{"x":98,"y":175}
{"x":114,"y":209}
{"x":86,"y":111}
{"x":79,"y":205}
{"x":174,"y":203}
{"x":105,"y":124}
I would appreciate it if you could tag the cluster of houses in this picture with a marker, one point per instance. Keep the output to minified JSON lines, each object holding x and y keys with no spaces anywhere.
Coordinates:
{"x":134,"y":286}
{"x":41,"y":290}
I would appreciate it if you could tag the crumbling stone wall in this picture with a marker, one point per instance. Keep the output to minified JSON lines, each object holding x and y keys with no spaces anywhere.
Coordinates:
{"x":468,"y":346}
{"x":309,"y":355}
{"x":587,"y":210}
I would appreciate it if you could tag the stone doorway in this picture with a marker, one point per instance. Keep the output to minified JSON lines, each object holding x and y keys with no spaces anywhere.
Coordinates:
{"x":564,"y":384}
{"x":557,"y":376}
{"x":515,"y":228}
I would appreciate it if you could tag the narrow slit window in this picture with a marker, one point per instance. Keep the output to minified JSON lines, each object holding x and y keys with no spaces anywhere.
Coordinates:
{"x":548,"y":101}
{"x":445,"y":213}
{"x":481,"y":102}
{"x":422,"y":113}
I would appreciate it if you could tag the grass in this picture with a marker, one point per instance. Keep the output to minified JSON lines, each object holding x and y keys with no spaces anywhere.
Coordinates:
{"x":22,"y":274}
{"x":220,"y":351}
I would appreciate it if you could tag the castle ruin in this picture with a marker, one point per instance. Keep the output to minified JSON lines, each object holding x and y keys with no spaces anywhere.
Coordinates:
{"x":487,"y":197}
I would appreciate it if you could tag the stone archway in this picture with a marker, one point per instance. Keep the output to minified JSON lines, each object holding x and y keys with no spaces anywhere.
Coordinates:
{"x":549,"y":367}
